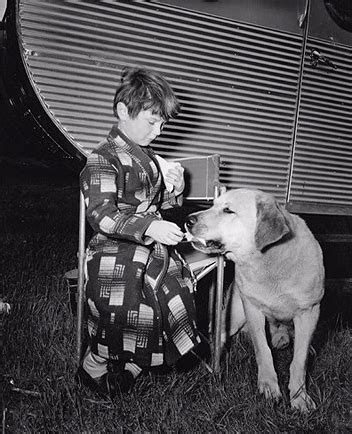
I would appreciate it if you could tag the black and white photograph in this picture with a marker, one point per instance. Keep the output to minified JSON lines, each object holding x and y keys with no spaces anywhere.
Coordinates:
{"x":176,"y":216}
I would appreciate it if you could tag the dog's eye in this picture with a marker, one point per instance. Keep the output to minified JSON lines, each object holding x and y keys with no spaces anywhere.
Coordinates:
{"x":227,"y":210}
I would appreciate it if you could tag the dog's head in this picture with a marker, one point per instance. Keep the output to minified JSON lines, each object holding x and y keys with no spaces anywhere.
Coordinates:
{"x":239,"y":222}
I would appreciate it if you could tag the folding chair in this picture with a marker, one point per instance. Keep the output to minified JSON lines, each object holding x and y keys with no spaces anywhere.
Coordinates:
{"x":202,"y":184}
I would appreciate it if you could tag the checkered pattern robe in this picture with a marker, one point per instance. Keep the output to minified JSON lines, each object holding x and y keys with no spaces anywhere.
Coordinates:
{"x":139,"y":292}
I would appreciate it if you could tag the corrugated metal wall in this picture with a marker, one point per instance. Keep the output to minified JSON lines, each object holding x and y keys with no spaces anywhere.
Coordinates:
{"x":322,"y":171}
{"x":237,"y":83}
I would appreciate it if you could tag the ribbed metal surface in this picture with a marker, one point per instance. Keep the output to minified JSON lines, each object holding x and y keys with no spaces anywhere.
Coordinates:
{"x":322,"y":171}
{"x":237,"y":83}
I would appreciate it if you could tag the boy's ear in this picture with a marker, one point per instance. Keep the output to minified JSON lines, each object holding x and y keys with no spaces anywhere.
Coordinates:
{"x":122,"y":111}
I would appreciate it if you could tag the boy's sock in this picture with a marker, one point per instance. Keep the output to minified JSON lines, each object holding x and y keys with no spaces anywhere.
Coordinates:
{"x":94,"y":365}
{"x":133,"y":368}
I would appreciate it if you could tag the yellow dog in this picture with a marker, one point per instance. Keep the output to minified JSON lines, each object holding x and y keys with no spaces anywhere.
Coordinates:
{"x":279,"y":276}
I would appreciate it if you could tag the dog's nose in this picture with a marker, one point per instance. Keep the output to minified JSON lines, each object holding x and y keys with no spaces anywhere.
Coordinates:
{"x":190,"y":221}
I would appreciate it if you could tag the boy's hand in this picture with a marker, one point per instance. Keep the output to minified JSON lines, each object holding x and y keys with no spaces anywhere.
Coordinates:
{"x":164,"y":232}
{"x":174,"y":176}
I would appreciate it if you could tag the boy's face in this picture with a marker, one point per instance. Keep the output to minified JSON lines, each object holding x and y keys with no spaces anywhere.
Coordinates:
{"x":144,"y":128}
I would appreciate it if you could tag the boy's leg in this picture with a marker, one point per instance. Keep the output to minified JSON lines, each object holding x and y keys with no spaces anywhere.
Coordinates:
{"x":95,"y":375}
{"x":94,"y":365}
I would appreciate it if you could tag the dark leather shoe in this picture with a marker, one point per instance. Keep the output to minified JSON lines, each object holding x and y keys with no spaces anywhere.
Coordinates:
{"x":119,"y":383}
{"x":108,"y":385}
{"x":96,"y":385}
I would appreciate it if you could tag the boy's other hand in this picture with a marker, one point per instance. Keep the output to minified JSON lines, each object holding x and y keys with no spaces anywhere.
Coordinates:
{"x":174,"y":176}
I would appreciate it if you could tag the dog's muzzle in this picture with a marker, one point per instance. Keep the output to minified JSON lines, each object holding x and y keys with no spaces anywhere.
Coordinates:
{"x":199,"y":242}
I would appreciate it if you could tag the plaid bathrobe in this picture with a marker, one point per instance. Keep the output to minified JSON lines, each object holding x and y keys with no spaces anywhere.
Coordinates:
{"x":139,"y":292}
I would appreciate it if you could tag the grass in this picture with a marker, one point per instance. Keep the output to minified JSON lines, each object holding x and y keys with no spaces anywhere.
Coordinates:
{"x":38,"y":244}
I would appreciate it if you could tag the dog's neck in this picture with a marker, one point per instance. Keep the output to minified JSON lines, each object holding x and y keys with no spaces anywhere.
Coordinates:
{"x":242,"y":258}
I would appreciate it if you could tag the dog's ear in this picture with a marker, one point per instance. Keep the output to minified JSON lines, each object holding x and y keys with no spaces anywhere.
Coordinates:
{"x":222,"y":189}
{"x":271,"y":223}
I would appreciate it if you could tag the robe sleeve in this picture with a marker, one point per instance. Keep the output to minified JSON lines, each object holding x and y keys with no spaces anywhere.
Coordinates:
{"x":99,"y":186}
{"x":170,"y":200}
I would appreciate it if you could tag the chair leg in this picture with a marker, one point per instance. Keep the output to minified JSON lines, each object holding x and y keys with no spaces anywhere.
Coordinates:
{"x":219,"y":288}
{"x":218,"y":314}
{"x":211,"y":305}
{"x":81,"y":277}
{"x":80,"y":315}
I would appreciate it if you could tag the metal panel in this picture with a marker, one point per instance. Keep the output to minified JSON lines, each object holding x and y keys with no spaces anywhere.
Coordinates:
{"x":322,"y":171}
{"x":275,"y":14}
{"x":237,"y":82}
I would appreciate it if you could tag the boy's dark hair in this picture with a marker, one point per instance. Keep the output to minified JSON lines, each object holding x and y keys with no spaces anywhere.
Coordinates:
{"x":142,"y":89}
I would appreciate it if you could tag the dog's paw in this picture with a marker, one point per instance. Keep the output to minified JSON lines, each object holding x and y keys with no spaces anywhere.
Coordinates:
{"x":303,"y":402}
{"x":270,"y":389}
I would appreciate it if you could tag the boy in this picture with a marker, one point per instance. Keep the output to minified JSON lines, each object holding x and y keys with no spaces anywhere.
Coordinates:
{"x":139,"y":289}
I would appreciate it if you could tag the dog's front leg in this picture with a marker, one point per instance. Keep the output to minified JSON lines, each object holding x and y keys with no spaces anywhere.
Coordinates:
{"x":267,"y":378}
{"x":305,"y":325}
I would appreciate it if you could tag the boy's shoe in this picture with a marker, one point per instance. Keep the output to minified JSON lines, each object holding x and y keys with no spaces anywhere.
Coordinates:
{"x":109,"y":385}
